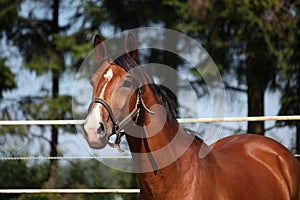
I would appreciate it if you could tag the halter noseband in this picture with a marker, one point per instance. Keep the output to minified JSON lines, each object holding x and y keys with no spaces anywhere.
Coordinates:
{"x":119,"y":125}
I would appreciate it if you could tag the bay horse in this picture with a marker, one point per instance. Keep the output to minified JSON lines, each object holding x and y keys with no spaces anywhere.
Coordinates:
{"x":165,"y":156}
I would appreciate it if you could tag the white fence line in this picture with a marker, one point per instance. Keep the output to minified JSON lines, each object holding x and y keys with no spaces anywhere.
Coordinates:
{"x":12,"y":158}
{"x":40,"y":122}
{"x":61,"y":157}
{"x":112,"y":191}
{"x":181,"y":120}
{"x":239,"y":119}
{"x":69,"y":191}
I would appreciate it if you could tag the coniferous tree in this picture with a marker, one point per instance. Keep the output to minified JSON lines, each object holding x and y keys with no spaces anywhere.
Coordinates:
{"x":243,"y":38}
{"x":290,"y":72}
{"x":8,"y":14}
{"x":46,"y":47}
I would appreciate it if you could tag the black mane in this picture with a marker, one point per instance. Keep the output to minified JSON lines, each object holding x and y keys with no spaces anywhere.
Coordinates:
{"x":126,"y":62}
{"x":168,"y":98}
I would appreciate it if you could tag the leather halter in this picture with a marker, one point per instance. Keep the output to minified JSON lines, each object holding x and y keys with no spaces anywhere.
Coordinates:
{"x":119,"y":125}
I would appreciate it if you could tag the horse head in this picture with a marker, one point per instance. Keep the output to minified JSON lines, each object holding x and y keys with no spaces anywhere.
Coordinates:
{"x":115,"y":99}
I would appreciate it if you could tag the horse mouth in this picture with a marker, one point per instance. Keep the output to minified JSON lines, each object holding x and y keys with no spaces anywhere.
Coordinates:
{"x":100,"y":143}
{"x":100,"y":137}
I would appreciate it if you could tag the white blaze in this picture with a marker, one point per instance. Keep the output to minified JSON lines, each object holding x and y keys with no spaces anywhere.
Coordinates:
{"x":94,"y":118}
{"x":108,"y":76}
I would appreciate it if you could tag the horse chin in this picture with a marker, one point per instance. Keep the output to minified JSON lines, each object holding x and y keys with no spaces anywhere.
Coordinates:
{"x":100,"y":144}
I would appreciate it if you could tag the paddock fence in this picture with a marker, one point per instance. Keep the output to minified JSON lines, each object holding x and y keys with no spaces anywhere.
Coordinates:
{"x":108,"y":191}
{"x":181,"y":120}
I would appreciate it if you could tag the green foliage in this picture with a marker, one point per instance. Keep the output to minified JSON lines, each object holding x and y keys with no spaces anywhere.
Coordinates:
{"x":33,"y":36}
{"x":21,"y":175}
{"x":17,"y":174}
{"x":11,"y":133}
{"x":78,"y":174}
{"x":93,"y":174}
{"x":50,"y":108}
{"x":46,"y":47}
{"x":91,"y":12}
{"x":40,"y":197}
{"x":188,"y":23}
{"x":44,"y":63}
{"x":239,"y":35}
{"x":247,"y":39}
{"x":7,"y":78}
{"x":75,"y":44}
{"x":290,"y":70}
{"x":132,"y":14}
{"x":8,"y":14}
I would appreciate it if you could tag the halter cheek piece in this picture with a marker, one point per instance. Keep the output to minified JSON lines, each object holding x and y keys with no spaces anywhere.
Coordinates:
{"x":119,"y":125}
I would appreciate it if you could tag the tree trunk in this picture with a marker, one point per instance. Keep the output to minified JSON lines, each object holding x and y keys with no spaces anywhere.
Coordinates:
{"x":52,"y":179}
{"x":297,"y":111}
{"x":255,"y":94}
{"x":297,"y":137}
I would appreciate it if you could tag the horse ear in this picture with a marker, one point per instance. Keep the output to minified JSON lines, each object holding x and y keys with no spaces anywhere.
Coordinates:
{"x":100,"y":48}
{"x":131,"y":47}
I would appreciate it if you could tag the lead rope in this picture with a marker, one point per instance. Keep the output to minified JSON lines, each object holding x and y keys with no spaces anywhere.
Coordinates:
{"x":117,"y":142}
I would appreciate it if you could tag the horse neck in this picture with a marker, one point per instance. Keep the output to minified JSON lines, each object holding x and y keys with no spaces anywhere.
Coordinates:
{"x":157,"y":140}
{"x":161,"y":149}
{"x":153,"y":131}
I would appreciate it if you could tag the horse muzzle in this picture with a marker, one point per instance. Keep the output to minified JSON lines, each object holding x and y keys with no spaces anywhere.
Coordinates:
{"x":95,"y":136}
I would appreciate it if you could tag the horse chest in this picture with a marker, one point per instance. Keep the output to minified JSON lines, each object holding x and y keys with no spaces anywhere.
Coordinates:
{"x":167,"y":184}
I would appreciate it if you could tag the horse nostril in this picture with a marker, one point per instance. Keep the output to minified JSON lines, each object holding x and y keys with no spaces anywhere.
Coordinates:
{"x":100,"y":130}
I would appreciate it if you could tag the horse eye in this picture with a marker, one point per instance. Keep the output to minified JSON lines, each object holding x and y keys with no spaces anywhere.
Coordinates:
{"x":126,"y":83}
